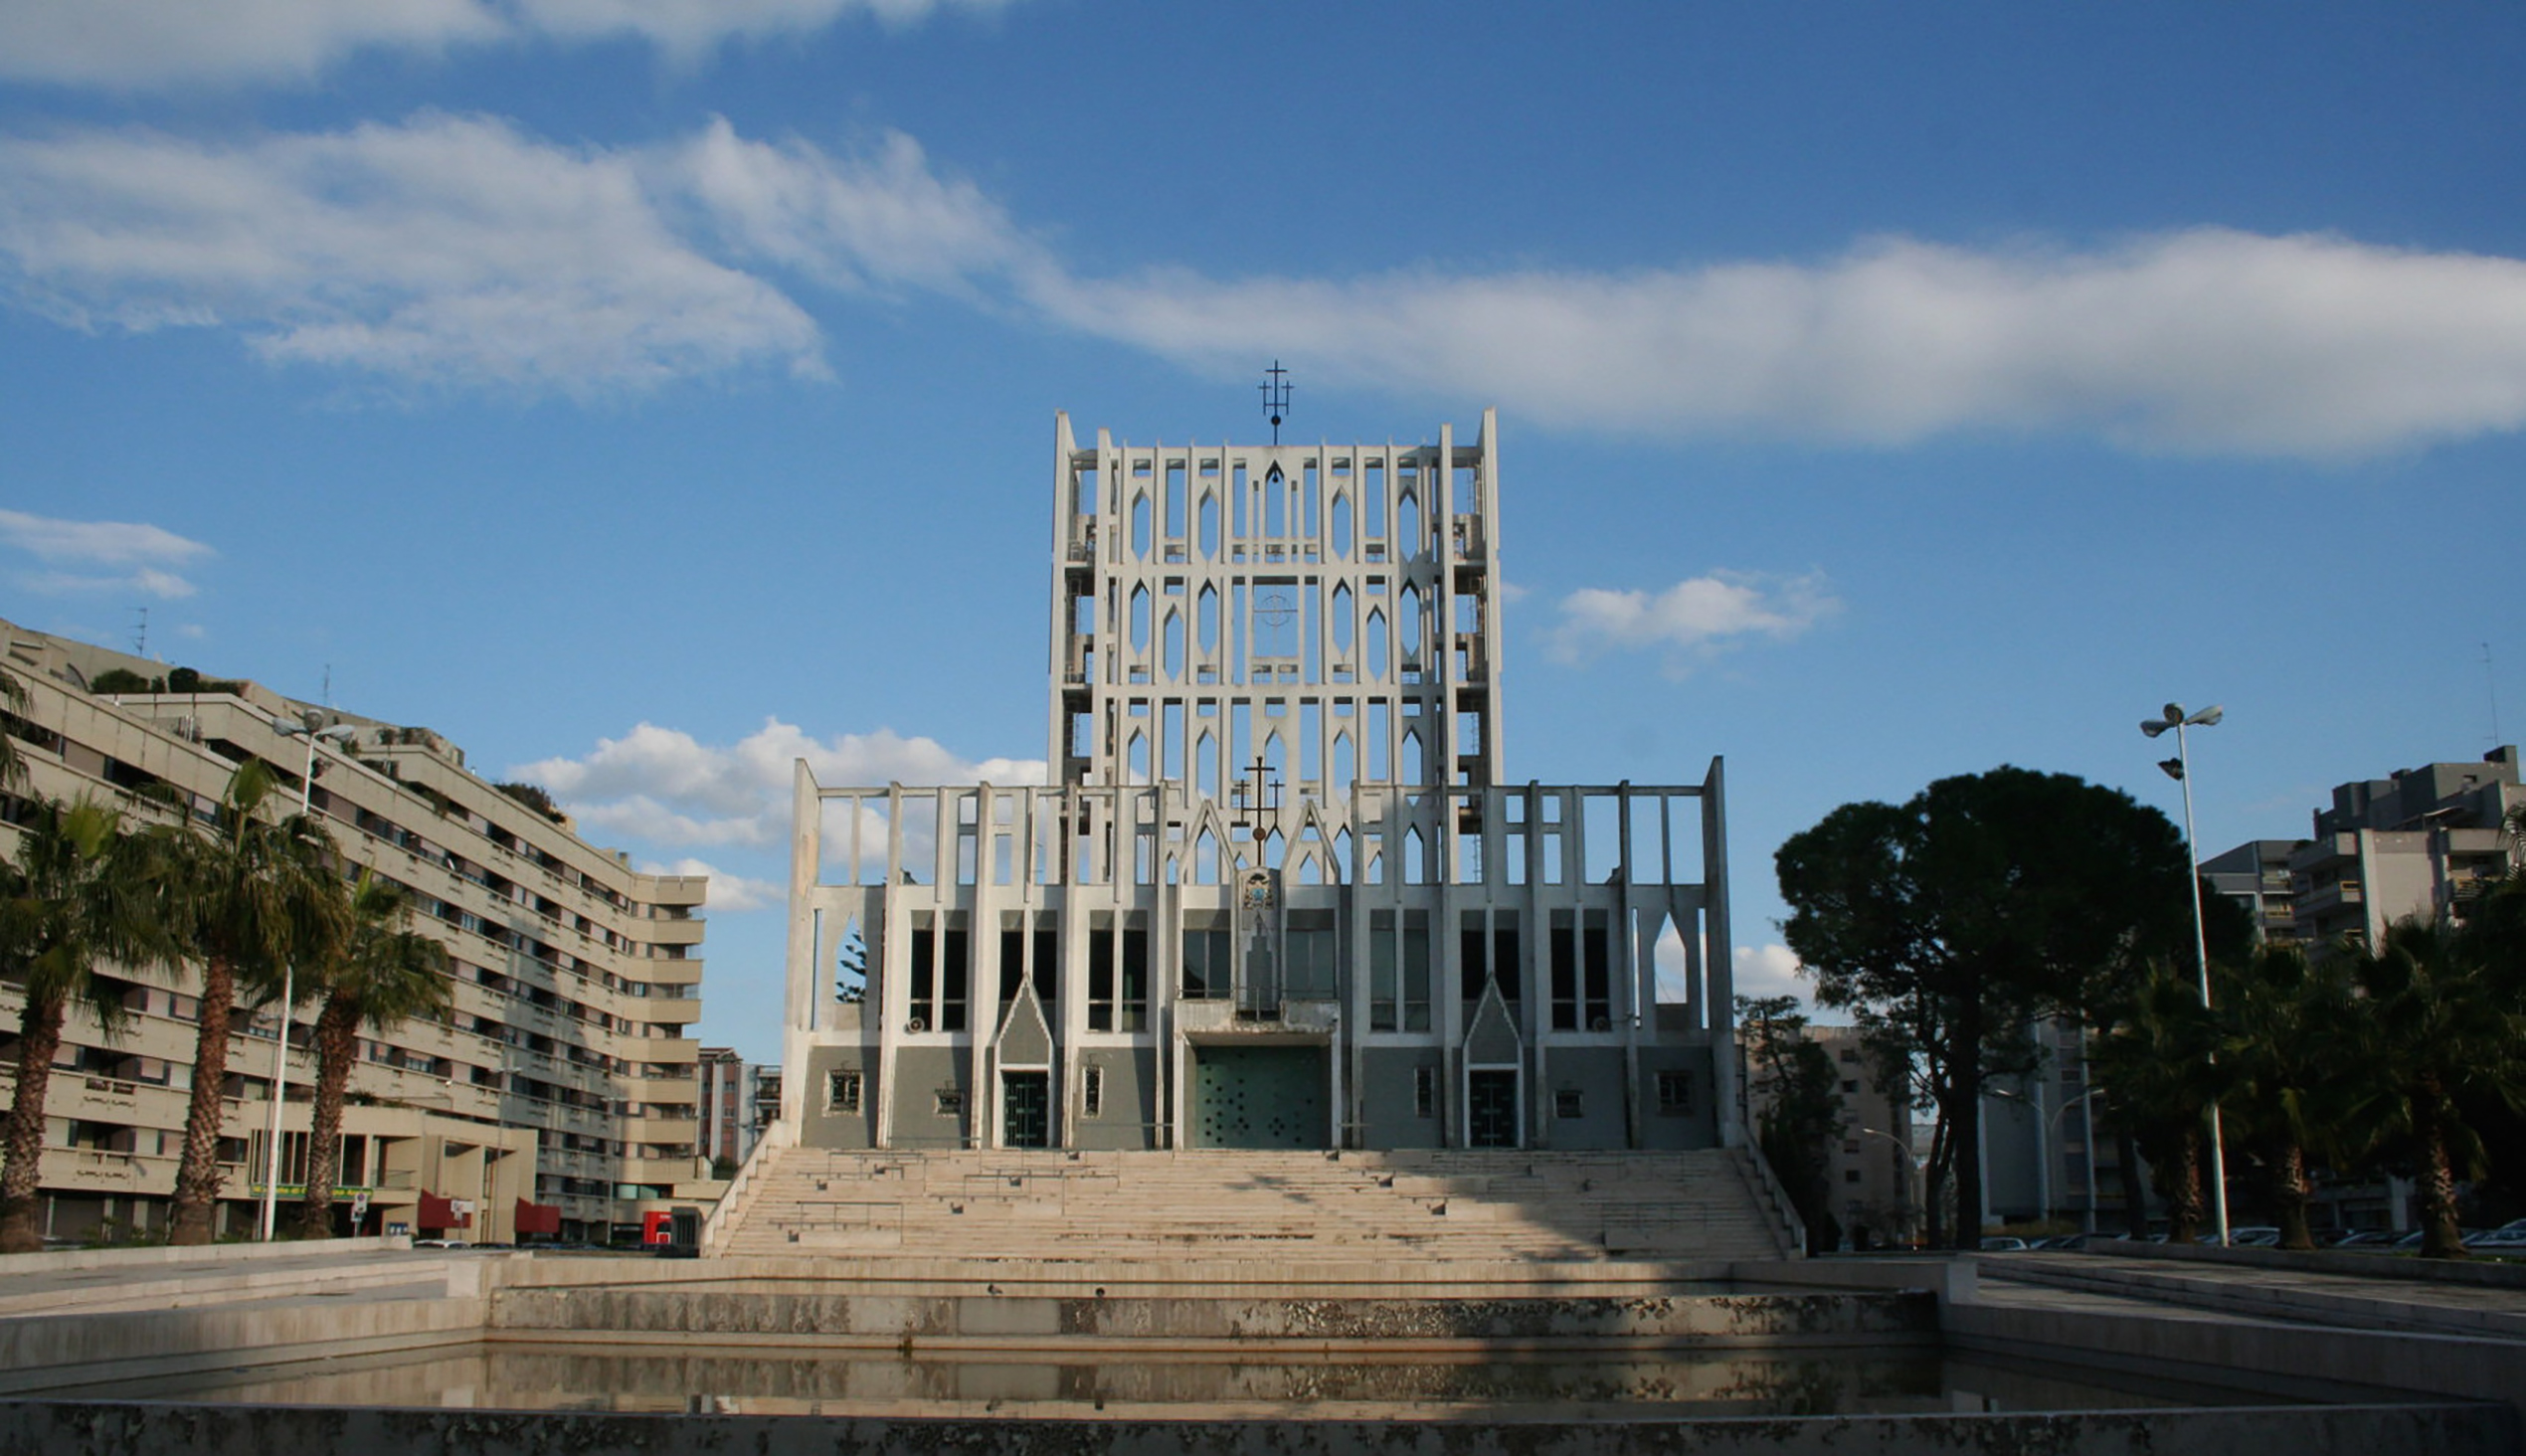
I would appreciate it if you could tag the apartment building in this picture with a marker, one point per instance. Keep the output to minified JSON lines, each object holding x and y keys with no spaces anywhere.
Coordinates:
{"x":560,"y":1095}
{"x":2420,"y":841}
{"x":1872,"y":1180}
{"x":739,"y":1098}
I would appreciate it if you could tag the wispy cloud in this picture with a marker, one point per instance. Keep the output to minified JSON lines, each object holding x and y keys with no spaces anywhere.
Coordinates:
{"x":446,"y":249}
{"x":458,"y":250}
{"x":133,"y":43}
{"x":1693,"y":620}
{"x":101,"y":556}
{"x":1768,"y":970}
{"x":2201,"y":341}
{"x":663,"y":786}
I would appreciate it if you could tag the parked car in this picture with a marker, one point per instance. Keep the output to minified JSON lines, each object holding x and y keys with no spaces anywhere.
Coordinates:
{"x":2255,"y":1237}
{"x":2368,"y":1239}
{"x":2003,"y":1243}
{"x":2072,"y":1243}
{"x":2505,"y":1239}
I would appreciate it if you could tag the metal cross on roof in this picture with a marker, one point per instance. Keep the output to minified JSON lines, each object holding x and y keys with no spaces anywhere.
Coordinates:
{"x":1275,"y":397}
{"x":1256,"y":799}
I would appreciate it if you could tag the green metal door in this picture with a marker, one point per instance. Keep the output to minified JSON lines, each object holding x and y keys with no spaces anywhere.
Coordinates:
{"x":1490,"y":1106}
{"x":1259,"y":1097}
{"x":1026,"y":1109}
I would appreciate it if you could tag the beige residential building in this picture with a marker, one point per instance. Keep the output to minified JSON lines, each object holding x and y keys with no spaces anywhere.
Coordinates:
{"x":1868,"y":1174}
{"x":564,"y":1080}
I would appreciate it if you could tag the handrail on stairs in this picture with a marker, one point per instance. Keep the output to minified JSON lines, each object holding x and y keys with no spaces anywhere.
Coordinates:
{"x":1777,"y":1195}
{"x":721,"y":1221}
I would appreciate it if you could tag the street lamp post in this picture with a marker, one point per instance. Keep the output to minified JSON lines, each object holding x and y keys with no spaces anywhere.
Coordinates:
{"x":2180,"y":769}
{"x":340,"y":732}
{"x":2048,"y":1132}
{"x":1915,"y":1197}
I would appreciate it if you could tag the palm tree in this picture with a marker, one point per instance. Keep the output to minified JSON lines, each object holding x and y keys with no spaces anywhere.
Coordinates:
{"x":2433,"y":1026}
{"x":382,"y":974}
{"x":253,"y":892}
{"x":78,"y":895}
{"x":2282,"y":1032}
{"x":2159,"y":1078}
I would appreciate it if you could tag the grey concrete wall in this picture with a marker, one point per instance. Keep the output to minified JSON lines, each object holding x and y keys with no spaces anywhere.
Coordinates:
{"x":921,"y":1072}
{"x":1130,"y":1116}
{"x":52,"y":1428}
{"x":712,"y":1315}
{"x":2493,"y":1273}
{"x":820,"y":1128}
{"x":1386,"y":1101}
{"x":2302,"y":1361}
{"x":41,"y":1354}
{"x":1596,"y":1074}
{"x":1696,"y":1128}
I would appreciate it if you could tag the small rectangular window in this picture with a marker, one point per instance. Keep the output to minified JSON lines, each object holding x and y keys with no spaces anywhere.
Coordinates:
{"x":1850,"y":1175}
{"x":1092,"y":1092}
{"x":842,"y":1092}
{"x":1850,"y":1087}
{"x":1425,"y":1092}
{"x":951,"y":1101}
{"x":1569,"y":1102}
{"x":1675,"y":1093}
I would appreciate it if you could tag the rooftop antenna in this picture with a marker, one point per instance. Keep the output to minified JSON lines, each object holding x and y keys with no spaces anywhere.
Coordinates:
{"x":140,"y":635}
{"x":1275,"y":389}
{"x":328,"y":684}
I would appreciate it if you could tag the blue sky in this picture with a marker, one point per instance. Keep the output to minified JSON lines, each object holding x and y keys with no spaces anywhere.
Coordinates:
{"x":644,"y":392}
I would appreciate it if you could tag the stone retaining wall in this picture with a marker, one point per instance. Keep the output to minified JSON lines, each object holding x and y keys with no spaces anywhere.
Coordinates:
{"x":68,"y":1428}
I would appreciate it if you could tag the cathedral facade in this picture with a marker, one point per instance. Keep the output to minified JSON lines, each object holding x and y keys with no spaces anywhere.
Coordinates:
{"x":1282,"y":893}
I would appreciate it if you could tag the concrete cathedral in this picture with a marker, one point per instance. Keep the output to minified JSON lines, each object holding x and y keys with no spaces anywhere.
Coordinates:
{"x":1283,"y":893}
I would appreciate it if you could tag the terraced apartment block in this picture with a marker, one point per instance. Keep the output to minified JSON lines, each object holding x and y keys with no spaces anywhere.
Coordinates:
{"x":562,"y":1087}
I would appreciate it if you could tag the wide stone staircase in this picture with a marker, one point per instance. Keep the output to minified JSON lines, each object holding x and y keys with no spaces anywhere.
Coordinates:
{"x":1424,"y":1206}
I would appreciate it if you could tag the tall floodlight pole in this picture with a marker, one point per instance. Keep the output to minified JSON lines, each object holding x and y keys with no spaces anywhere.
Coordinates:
{"x":2180,"y":769}
{"x":288,"y":977}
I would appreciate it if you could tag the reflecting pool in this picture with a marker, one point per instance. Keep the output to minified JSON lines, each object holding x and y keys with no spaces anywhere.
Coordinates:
{"x":1629,"y":1383}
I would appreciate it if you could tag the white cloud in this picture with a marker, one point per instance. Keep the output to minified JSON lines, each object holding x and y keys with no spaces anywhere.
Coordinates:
{"x":147,"y":551}
{"x":732,"y":895}
{"x":689,"y":28}
{"x":666,"y":787}
{"x":445,"y":248}
{"x":455,"y":249}
{"x":872,"y":220}
{"x":1692,"y":619}
{"x":1769,"y":970}
{"x":2202,"y":340}
{"x":141,"y":42}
